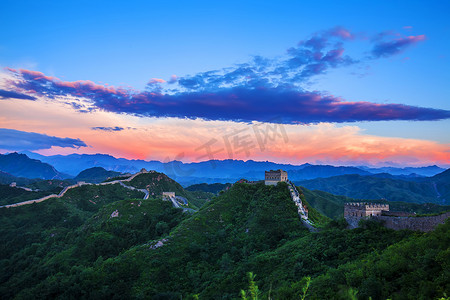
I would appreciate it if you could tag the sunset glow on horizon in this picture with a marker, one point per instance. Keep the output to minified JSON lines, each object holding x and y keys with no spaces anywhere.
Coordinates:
{"x":344,"y":92}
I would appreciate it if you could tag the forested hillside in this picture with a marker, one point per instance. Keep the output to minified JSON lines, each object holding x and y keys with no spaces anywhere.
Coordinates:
{"x":10,"y":195}
{"x":42,"y":243}
{"x":6,"y":178}
{"x":95,"y":175}
{"x":157,"y":183}
{"x":414,"y":268}
{"x":214,"y":188}
{"x":98,"y":242}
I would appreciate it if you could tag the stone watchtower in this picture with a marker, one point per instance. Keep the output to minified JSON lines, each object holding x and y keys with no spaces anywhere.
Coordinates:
{"x":274,"y":176}
{"x":355,"y":211}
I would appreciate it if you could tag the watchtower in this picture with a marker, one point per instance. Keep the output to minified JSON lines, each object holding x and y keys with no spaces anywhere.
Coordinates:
{"x":363,"y":209}
{"x":272,"y":177}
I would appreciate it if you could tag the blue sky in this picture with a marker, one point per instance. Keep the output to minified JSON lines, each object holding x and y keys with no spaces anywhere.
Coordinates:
{"x":132,"y":41}
{"x":127,"y":44}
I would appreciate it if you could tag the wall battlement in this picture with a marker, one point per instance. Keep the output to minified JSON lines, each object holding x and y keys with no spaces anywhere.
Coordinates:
{"x":426,"y":224}
{"x":364,"y":209}
{"x":365,"y":205}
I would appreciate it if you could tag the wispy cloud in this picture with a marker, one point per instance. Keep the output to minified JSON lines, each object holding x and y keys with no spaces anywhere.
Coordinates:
{"x":313,"y":56}
{"x":252,"y":91}
{"x":385,"y":48}
{"x":16,"y":140}
{"x":116,"y":128}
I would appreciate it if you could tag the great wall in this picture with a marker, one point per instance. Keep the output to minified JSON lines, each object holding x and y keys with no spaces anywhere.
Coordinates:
{"x":354,"y":212}
{"x":61,"y":194}
{"x":177,"y":201}
{"x":272,"y":177}
{"x":301,"y":208}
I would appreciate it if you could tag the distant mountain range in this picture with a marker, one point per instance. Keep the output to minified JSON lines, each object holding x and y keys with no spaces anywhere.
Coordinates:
{"x":20,"y":165}
{"x":435,"y":189}
{"x":355,"y":182}
{"x":221,"y":171}
{"x":411,"y":171}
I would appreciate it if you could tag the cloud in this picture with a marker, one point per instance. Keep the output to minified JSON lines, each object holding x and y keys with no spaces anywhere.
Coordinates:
{"x":234,"y":103}
{"x":162,"y":138}
{"x":384,"y":48}
{"x":116,"y":128}
{"x":340,"y":32}
{"x":17,"y":140}
{"x":256,"y":90}
{"x":11,"y":94}
{"x":156,"y":81}
{"x":173,"y":79}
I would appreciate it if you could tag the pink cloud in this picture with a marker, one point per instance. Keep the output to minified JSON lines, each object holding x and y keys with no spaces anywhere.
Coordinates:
{"x":342,"y":33}
{"x":236,"y":103}
{"x":384,"y":48}
{"x":156,"y":81}
{"x":173,"y":79}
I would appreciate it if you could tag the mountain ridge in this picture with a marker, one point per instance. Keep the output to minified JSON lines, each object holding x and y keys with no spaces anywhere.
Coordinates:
{"x":20,"y":165}
{"x":222,"y":171}
{"x":95,"y":175}
{"x":435,"y":189}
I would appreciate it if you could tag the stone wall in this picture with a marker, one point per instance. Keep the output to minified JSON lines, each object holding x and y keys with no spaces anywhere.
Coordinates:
{"x":398,"y":214}
{"x":413,"y":223}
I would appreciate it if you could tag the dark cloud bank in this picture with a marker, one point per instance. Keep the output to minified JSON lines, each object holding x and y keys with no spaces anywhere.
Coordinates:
{"x":254,"y":91}
{"x":17,"y":140}
{"x":11,"y":94}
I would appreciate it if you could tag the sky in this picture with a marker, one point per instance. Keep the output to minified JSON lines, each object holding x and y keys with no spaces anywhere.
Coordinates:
{"x":329,"y":82}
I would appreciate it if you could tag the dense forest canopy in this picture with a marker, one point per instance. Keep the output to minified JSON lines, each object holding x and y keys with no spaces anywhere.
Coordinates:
{"x":107,"y":242}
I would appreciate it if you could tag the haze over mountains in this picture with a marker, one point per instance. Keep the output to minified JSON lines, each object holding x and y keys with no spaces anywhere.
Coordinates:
{"x":435,"y":189}
{"x":217,"y":170}
{"x":394,"y":184}
{"x":21,"y":165}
